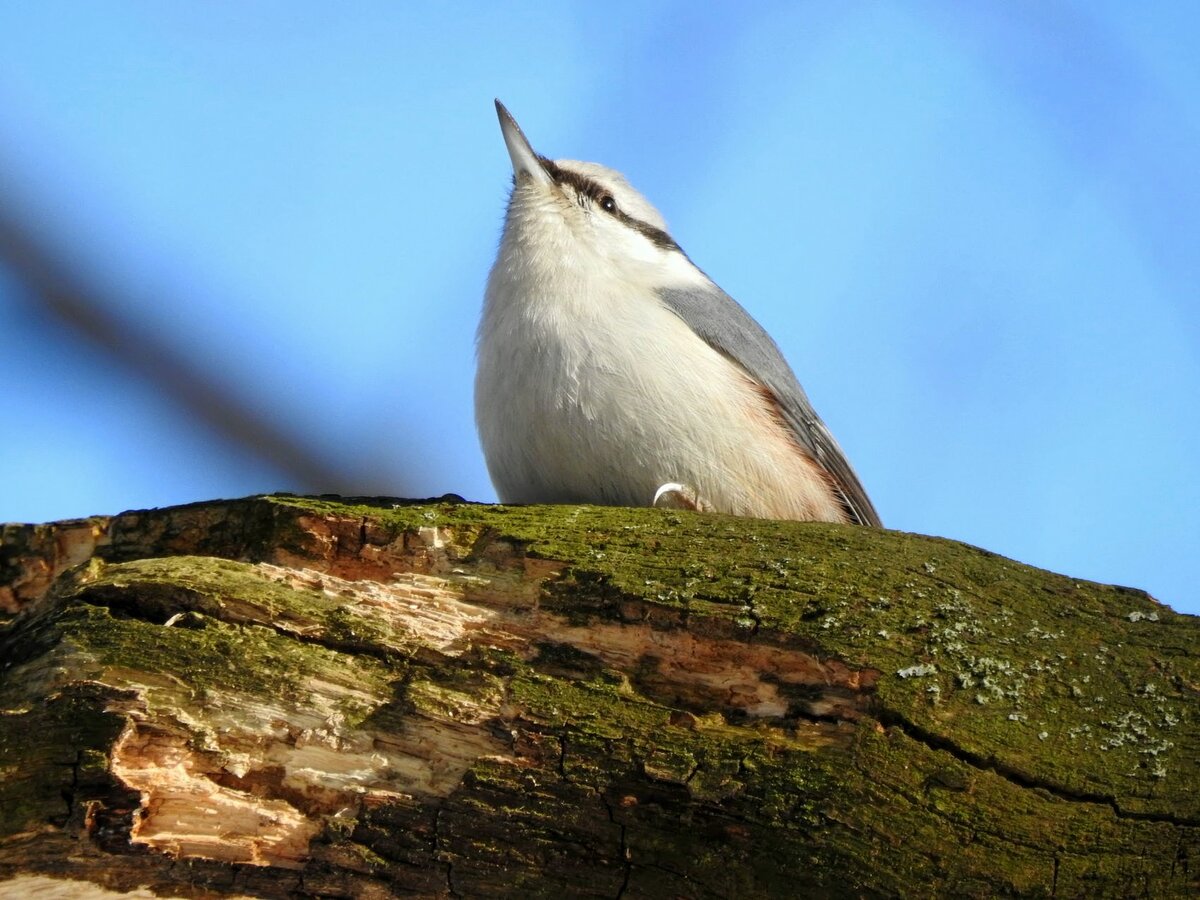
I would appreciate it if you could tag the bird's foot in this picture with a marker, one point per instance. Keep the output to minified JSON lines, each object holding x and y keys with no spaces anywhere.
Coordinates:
{"x":673,"y":495}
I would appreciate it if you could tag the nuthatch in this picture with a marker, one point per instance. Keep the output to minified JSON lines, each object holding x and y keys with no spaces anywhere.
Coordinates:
{"x":613,"y":371}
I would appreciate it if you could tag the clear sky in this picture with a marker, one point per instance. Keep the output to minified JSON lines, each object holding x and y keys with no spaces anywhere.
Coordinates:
{"x":973,"y":228}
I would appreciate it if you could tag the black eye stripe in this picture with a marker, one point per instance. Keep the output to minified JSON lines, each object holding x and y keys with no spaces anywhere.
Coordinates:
{"x":597,"y":194}
{"x":656,"y":235}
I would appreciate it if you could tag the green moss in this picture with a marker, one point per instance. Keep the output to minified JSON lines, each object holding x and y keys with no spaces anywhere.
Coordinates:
{"x":1030,"y":667}
{"x":208,"y":654}
{"x":236,"y":591}
{"x":239,"y":594}
{"x":54,"y":757}
{"x":431,"y":695}
{"x":1022,"y":724}
{"x":985,"y":822}
{"x":737,"y":809}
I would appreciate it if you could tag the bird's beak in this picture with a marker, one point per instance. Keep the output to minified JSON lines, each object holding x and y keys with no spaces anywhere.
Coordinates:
{"x":524,"y":160}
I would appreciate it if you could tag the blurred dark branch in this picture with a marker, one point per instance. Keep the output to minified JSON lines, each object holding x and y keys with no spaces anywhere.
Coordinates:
{"x":62,"y":290}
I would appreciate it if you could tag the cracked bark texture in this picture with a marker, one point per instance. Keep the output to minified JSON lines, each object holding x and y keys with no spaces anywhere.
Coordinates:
{"x":286,"y":696}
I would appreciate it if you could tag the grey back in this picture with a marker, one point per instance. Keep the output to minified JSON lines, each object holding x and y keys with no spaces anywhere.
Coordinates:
{"x":726,"y":327}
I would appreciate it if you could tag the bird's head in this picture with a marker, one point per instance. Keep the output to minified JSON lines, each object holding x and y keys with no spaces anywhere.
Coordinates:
{"x":585,"y":213}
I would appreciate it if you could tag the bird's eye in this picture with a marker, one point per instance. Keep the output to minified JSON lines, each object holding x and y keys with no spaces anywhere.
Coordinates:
{"x":608,"y":204}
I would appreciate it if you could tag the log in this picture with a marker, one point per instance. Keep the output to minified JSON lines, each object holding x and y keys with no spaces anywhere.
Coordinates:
{"x":285,"y":696}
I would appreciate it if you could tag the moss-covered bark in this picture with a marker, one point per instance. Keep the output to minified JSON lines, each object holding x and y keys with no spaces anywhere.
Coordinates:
{"x":293,"y":696}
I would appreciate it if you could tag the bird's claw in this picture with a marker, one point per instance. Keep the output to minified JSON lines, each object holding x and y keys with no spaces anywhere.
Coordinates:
{"x":673,"y":495}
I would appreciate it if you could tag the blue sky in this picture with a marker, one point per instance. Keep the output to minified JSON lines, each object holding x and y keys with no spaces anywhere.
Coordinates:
{"x":972,"y":229}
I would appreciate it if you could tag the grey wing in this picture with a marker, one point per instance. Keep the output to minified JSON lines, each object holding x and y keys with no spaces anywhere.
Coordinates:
{"x":728,"y":328}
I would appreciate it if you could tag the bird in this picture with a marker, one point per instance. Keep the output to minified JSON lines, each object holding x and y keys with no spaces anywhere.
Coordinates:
{"x":612,"y":370}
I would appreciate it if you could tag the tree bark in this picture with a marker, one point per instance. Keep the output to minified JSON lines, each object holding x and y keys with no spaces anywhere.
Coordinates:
{"x":285,"y":696}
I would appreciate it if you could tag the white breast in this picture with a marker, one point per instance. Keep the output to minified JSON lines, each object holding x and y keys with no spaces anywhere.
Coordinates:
{"x":591,"y":390}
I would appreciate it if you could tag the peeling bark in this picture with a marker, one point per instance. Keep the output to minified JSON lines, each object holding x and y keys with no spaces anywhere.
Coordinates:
{"x":287,"y":696}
